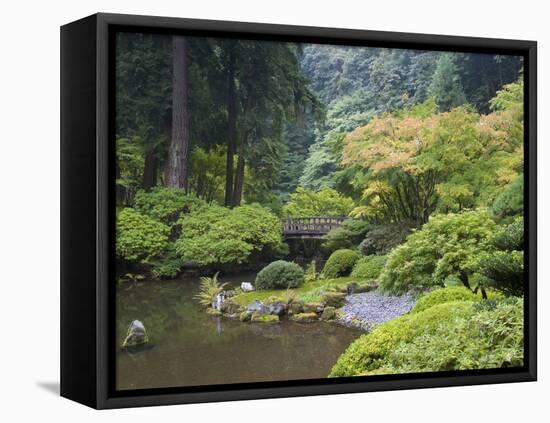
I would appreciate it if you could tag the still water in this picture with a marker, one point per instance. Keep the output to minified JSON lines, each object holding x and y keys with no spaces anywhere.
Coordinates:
{"x":193,"y":348}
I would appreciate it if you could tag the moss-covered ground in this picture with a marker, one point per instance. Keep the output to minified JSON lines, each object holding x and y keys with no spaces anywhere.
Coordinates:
{"x":309,"y":292}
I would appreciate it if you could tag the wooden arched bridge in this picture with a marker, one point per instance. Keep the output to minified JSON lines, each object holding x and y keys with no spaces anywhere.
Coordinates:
{"x":310,"y":227}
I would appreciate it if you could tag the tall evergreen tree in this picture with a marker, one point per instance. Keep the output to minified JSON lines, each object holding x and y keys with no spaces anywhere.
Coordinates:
{"x":143,"y":102}
{"x":268,"y":90}
{"x":231,"y":120}
{"x":446,"y":86}
{"x":178,"y":154}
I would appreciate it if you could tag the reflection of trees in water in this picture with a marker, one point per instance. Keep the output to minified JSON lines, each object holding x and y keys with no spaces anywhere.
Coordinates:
{"x":193,"y":347}
{"x":148,"y":304}
{"x":179,"y":327}
{"x":169,"y":313}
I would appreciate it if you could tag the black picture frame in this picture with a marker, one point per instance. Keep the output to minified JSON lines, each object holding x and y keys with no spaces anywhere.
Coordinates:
{"x":87,"y":219}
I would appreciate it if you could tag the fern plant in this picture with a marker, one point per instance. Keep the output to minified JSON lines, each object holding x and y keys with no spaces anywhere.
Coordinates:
{"x":209,"y":289}
{"x":289,"y":296}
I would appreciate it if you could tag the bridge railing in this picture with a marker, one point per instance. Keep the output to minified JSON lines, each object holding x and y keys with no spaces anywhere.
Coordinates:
{"x":311,"y":225}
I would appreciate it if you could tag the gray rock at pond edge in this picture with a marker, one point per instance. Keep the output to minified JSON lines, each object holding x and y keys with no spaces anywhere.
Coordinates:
{"x":313,"y":308}
{"x":277,"y":308}
{"x":229,"y":307}
{"x":295,"y":307}
{"x":136,"y":335}
{"x":245,"y":316}
{"x":352,"y":287}
{"x":257,"y":306}
{"x":329,"y":313}
{"x":218,"y":301}
{"x":334,"y":299}
{"x":247,"y":287}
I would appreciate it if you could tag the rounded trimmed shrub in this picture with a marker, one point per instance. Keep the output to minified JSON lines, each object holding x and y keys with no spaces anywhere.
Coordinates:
{"x":340,"y":263}
{"x":280,"y":275}
{"x":445,"y":295}
{"x":351,"y":232}
{"x":369,"y":267}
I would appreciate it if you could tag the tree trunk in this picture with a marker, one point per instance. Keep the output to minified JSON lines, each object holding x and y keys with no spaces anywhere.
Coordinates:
{"x":239,"y":182}
{"x":150,"y":171}
{"x":177,"y":163}
{"x":120,"y":190}
{"x":483,"y":293}
{"x":464,"y":279}
{"x":232,"y":128}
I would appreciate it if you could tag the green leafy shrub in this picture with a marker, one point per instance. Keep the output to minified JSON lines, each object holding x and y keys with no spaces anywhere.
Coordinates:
{"x":444,"y":295}
{"x":510,"y":237}
{"x":130,"y":160}
{"x":369,"y":352}
{"x":311,"y":272}
{"x":340,"y":263}
{"x":446,"y":246}
{"x":166,"y":204}
{"x":168,"y":268}
{"x":326,"y":202}
{"x":502,"y":268}
{"x":510,"y":201}
{"x":139,"y":237}
{"x":219,"y":235}
{"x":490,"y":338}
{"x":459,"y":335}
{"x":280,"y":275}
{"x":349,"y":234}
{"x":207,"y":173}
{"x":503,"y":271}
{"x":369,"y":267}
{"x":383,"y":238}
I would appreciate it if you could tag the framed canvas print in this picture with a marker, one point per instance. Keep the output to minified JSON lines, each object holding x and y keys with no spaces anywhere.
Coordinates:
{"x":254,"y":211}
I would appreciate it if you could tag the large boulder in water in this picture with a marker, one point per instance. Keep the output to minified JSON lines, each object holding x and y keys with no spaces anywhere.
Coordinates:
{"x":136,"y":335}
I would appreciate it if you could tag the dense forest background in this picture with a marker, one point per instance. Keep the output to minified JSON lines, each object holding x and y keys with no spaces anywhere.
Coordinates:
{"x":264,"y":118}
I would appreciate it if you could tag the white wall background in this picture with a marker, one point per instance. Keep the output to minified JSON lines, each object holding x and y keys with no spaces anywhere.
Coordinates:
{"x":29,"y":209}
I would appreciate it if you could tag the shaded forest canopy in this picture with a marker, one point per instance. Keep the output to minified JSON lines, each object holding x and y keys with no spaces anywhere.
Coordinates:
{"x":263,"y":118}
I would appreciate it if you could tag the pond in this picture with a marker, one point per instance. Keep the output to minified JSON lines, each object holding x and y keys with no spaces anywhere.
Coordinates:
{"x":193,"y":348}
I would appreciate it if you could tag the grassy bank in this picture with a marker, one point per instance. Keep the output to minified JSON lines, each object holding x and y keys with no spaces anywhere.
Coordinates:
{"x":310,"y":291}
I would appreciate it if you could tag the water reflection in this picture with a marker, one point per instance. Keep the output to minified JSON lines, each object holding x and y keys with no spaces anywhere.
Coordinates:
{"x":193,"y":348}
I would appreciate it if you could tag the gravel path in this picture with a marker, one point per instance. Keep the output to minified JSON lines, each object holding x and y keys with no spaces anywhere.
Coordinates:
{"x":370,"y":308}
